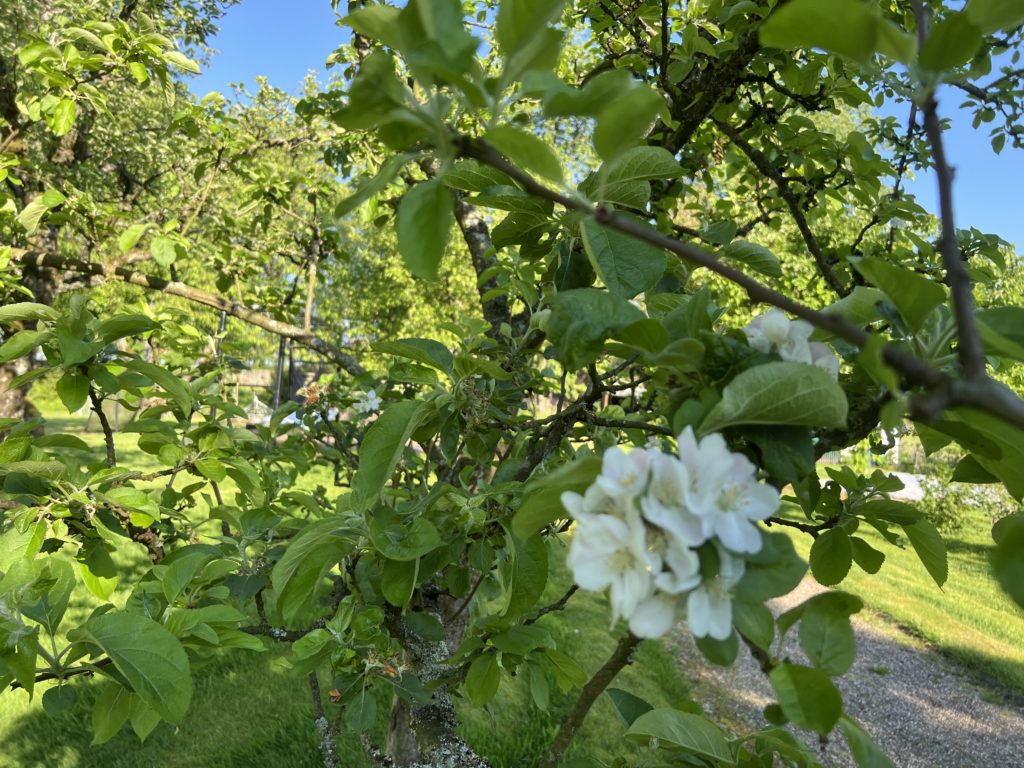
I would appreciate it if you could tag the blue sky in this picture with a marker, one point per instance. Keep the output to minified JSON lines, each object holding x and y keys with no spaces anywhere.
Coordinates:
{"x":285,"y":39}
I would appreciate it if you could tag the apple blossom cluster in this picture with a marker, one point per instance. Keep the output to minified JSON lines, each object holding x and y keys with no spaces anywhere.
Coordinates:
{"x":790,"y":339}
{"x":654,"y":526}
{"x":367,"y":402}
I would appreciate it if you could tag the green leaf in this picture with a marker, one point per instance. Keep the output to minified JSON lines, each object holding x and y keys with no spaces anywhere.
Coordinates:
{"x":542,"y":504}
{"x":930,"y":548}
{"x":73,"y":390}
{"x":642,"y":164}
{"x":580,"y":321}
{"x":211,"y":469}
{"x":993,"y":15}
{"x":627,"y":706}
{"x":626,"y":265}
{"x":1008,"y":556}
{"x":377,"y":22}
{"x":426,"y":351}
{"x":381,"y":448}
{"x":951,"y":42}
{"x":865,"y":752}
{"x":425,"y":220}
{"x":62,"y":118}
{"x":626,"y":120}
{"x":425,"y":625}
{"x":397,"y":539}
{"x":148,"y":656}
{"x":755,"y":622}
{"x":26,"y":310}
{"x":171,"y":384}
{"x":520,"y":21}
{"x":529,"y":574}
{"x":164,"y":250}
{"x":130,"y":236}
{"x":807,"y":697}
{"x":826,"y":635}
{"x":134,"y":499}
{"x":483,"y":679}
{"x":398,"y":580}
{"x":122,"y":326}
{"x":831,"y":556}
{"x":772,"y":572}
{"x":526,"y":150}
{"x":21,"y":343}
{"x":14,"y":449}
{"x":182,"y":62}
{"x":683,"y":731}
{"x":867,"y":557}
{"x":382,"y":178}
{"x":793,"y":394}
{"x":111,"y":711}
{"x":757,"y":257}
{"x":471,"y":176}
{"x":298,"y":576}
{"x":851,"y":28}
{"x":914,"y":295}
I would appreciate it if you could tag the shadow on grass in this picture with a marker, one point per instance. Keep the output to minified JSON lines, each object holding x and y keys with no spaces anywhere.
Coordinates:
{"x":244,"y":712}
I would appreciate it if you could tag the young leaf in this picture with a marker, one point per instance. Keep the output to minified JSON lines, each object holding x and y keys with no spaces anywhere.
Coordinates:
{"x":626,"y":265}
{"x":148,"y":656}
{"x":779,"y":393}
{"x":528,"y":151}
{"x":682,"y":731}
{"x":381,"y":449}
{"x":483,"y":679}
{"x":807,"y":697}
{"x":930,"y":548}
{"x":831,"y":556}
{"x":425,"y":220}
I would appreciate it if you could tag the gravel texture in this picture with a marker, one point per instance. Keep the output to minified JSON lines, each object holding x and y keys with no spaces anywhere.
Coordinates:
{"x":921,"y":710}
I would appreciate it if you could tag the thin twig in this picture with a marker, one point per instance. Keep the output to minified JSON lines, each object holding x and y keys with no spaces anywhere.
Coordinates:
{"x":108,"y":434}
{"x":969,"y":347}
{"x":621,"y":656}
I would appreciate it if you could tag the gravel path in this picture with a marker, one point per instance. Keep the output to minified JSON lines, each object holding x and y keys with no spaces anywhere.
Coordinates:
{"x":918,"y":708}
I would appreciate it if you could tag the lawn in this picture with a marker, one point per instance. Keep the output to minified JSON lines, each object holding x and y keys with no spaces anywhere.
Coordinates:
{"x":248,"y":709}
{"x":969,"y":620}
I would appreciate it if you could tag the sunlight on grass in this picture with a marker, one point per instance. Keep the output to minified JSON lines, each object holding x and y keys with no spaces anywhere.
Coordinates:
{"x":969,"y":619}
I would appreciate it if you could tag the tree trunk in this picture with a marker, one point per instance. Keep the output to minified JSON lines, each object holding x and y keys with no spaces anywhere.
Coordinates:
{"x":423,"y":735}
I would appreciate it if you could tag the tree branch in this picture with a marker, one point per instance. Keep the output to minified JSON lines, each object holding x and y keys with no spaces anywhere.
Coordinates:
{"x":106,"y":273}
{"x":984,"y":394}
{"x":621,"y":656}
{"x":108,"y":435}
{"x":764,"y":165}
{"x":969,"y":347}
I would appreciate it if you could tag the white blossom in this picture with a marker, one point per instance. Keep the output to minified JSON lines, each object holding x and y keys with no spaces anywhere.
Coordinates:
{"x":724,"y":492}
{"x":367,"y":402}
{"x":774,"y":332}
{"x":709,"y":607}
{"x":623,"y":475}
{"x":654,"y":616}
{"x":664,"y":505}
{"x":823,"y":357}
{"x":609,"y":552}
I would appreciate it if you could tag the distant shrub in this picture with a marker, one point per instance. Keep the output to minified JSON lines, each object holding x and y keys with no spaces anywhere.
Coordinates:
{"x":951,"y":505}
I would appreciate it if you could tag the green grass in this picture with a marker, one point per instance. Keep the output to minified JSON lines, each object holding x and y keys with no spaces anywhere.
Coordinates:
{"x":248,"y":709}
{"x":969,"y":620}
